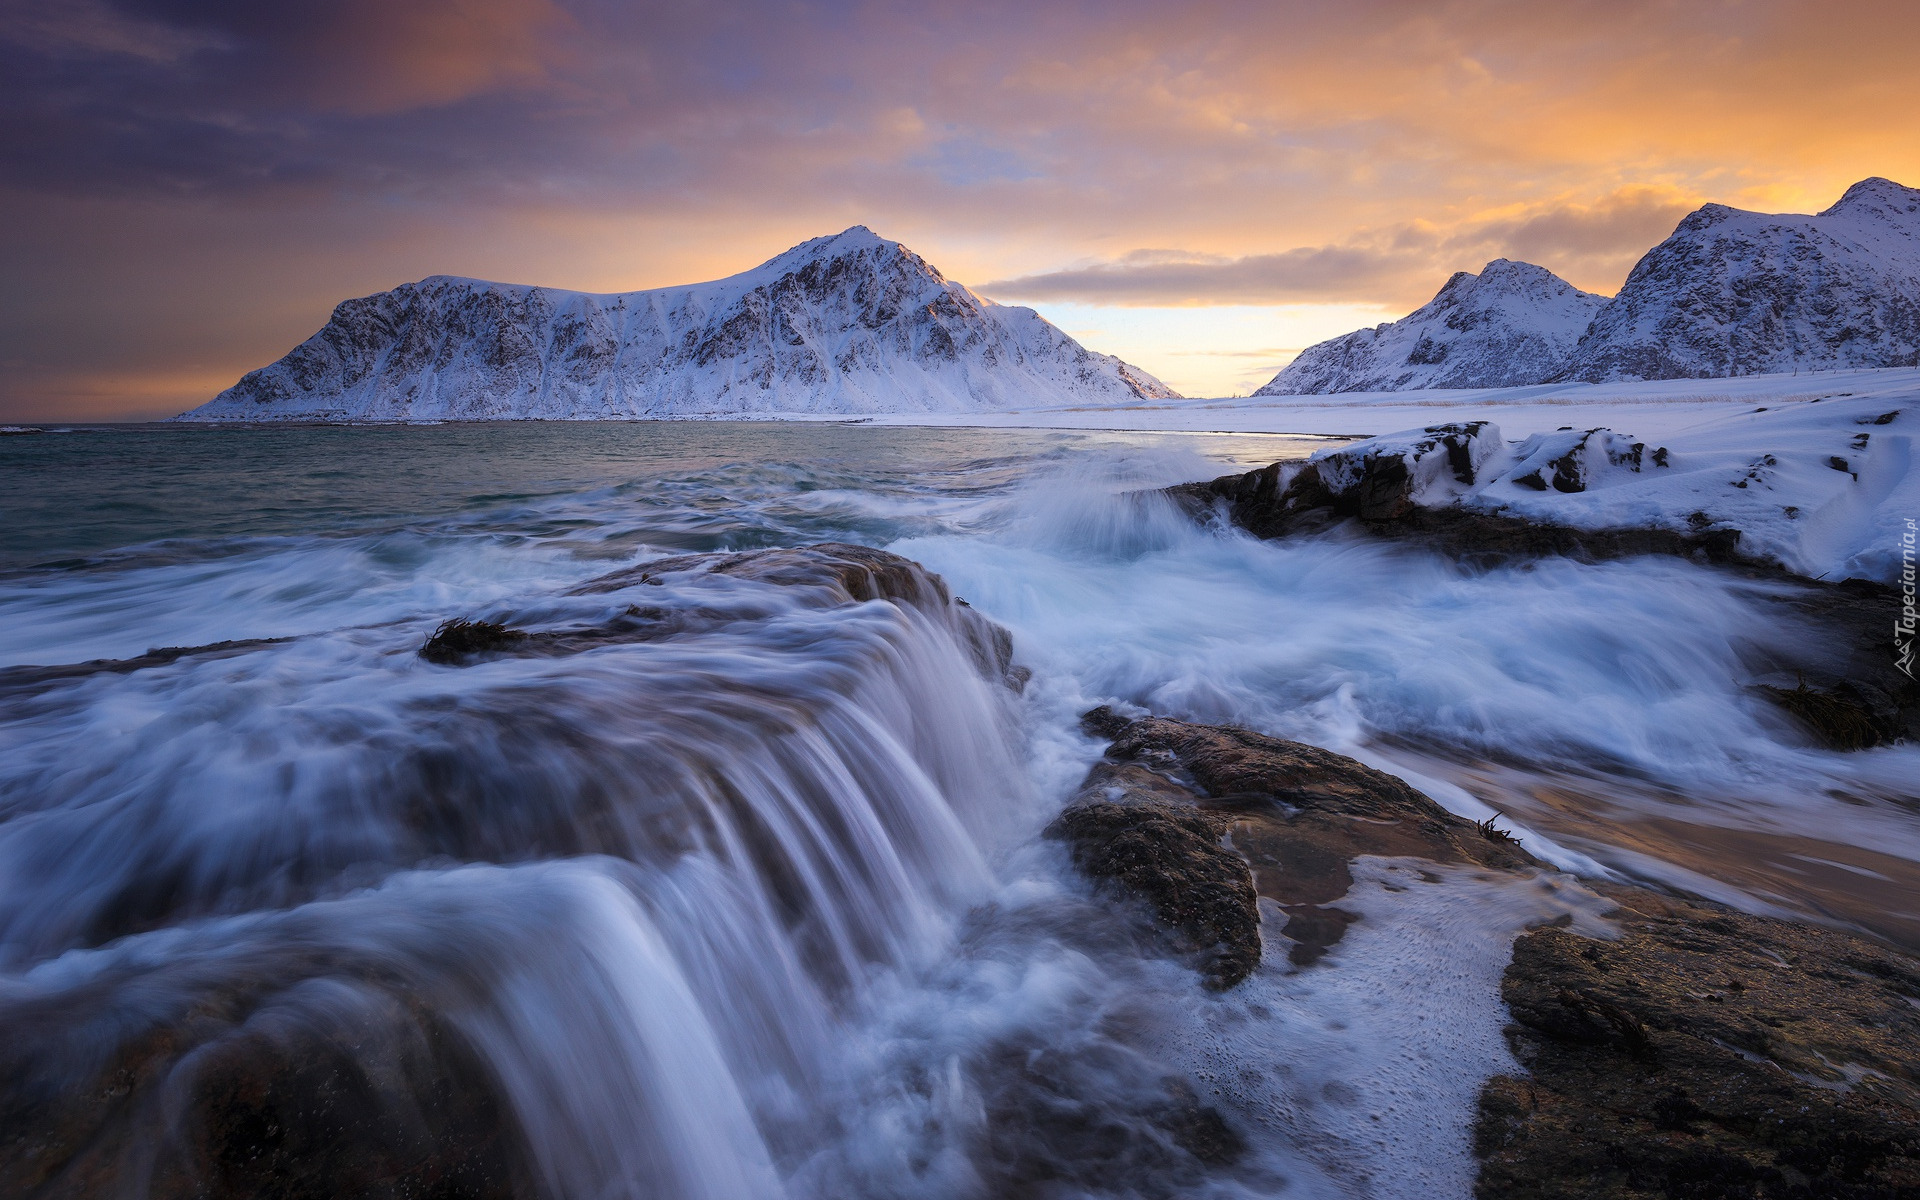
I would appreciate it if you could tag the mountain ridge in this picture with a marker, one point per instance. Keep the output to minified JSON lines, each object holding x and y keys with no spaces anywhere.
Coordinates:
{"x":849,"y":323}
{"x":1728,"y":293}
{"x":1733,"y":292}
{"x":1511,"y":324}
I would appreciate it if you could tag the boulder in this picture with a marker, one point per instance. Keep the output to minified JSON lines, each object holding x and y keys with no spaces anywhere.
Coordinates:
{"x":242,"y":1096}
{"x":1570,"y":462}
{"x":1152,"y":818}
{"x":1709,"y":1054}
{"x":1704,"y":1053}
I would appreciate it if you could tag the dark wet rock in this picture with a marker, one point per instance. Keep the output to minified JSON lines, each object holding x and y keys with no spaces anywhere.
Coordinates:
{"x":1295,"y":817}
{"x":855,"y":572}
{"x":841,"y":573}
{"x":1287,"y":499}
{"x":1199,"y":1129}
{"x":1706,"y":1054}
{"x":34,"y":678}
{"x":226,"y":1101}
{"x":1055,"y":1128}
{"x":1171,"y":857}
{"x":1381,"y":479}
{"x":1842,"y":717}
{"x":457,"y":640}
{"x":1844,"y":681}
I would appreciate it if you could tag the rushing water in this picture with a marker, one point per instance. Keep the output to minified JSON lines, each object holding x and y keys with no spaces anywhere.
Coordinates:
{"x":760,"y":908}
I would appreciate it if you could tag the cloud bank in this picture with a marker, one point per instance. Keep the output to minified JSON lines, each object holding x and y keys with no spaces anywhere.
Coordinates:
{"x":186,"y":186}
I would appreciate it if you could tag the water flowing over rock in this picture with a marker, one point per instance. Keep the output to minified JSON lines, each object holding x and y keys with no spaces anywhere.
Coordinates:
{"x":693,"y":805}
{"x":1744,"y":293}
{"x":1512,"y":324}
{"x":851,"y":323}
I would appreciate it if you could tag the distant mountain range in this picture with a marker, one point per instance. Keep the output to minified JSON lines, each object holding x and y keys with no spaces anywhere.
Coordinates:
{"x":1730,"y":293}
{"x":847,"y":324}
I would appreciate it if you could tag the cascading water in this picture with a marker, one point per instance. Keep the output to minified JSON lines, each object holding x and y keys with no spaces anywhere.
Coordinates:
{"x":761,"y":788}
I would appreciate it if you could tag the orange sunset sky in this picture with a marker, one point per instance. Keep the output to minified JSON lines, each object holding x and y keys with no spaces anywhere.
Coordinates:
{"x":1202,"y":189}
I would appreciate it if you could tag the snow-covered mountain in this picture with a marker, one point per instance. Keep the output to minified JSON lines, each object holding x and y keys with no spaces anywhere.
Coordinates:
{"x":1743,"y":293}
{"x":1512,"y":324}
{"x":852,"y":323}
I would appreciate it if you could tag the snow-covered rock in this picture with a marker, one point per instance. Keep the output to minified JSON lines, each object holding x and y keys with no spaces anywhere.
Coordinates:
{"x":1824,"y":488}
{"x":852,"y":323}
{"x":1512,"y":324}
{"x":1424,"y":468}
{"x":1743,"y":293}
{"x":1572,"y":462}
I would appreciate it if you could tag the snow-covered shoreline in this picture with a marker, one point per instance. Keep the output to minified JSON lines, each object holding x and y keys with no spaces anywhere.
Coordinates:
{"x":1658,"y":408}
{"x":1814,"y":470}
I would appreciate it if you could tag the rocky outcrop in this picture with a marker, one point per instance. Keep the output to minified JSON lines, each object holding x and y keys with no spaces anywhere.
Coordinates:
{"x":1572,"y":462}
{"x":1510,"y":325}
{"x":835,"y":573}
{"x":1744,"y":293}
{"x":1700,"y":1053}
{"x":1156,"y":816}
{"x":1407,"y":485}
{"x":852,"y":323}
{"x":1706,"y":1054}
{"x":1436,"y":488}
{"x":226,"y":1101}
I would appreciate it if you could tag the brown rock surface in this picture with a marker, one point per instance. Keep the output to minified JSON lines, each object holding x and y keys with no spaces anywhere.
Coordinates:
{"x":225,"y":1101}
{"x":1706,"y":1054}
{"x":1178,"y":811}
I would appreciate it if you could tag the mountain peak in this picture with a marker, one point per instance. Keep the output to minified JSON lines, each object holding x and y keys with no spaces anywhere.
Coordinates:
{"x":1512,"y":323}
{"x":853,"y":242}
{"x":1877,"y":197}
{"x":1513,"y":269}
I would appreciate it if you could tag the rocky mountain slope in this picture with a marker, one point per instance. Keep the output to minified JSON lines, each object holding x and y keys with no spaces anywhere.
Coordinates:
{"x":852,"y":323}
{"x":1743,"y":293}
{"x":1514,"y":323}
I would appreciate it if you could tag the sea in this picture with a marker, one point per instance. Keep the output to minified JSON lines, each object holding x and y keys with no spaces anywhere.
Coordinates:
{"x":765,"y":908}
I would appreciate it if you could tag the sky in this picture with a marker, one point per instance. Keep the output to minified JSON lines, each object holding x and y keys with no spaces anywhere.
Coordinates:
{"x":189,"y":186}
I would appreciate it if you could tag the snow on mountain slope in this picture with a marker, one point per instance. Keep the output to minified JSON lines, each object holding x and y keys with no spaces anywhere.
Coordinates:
{"x":852,"y":323}
{"x":1742,"y":293}
{"x":1510,"y":325}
